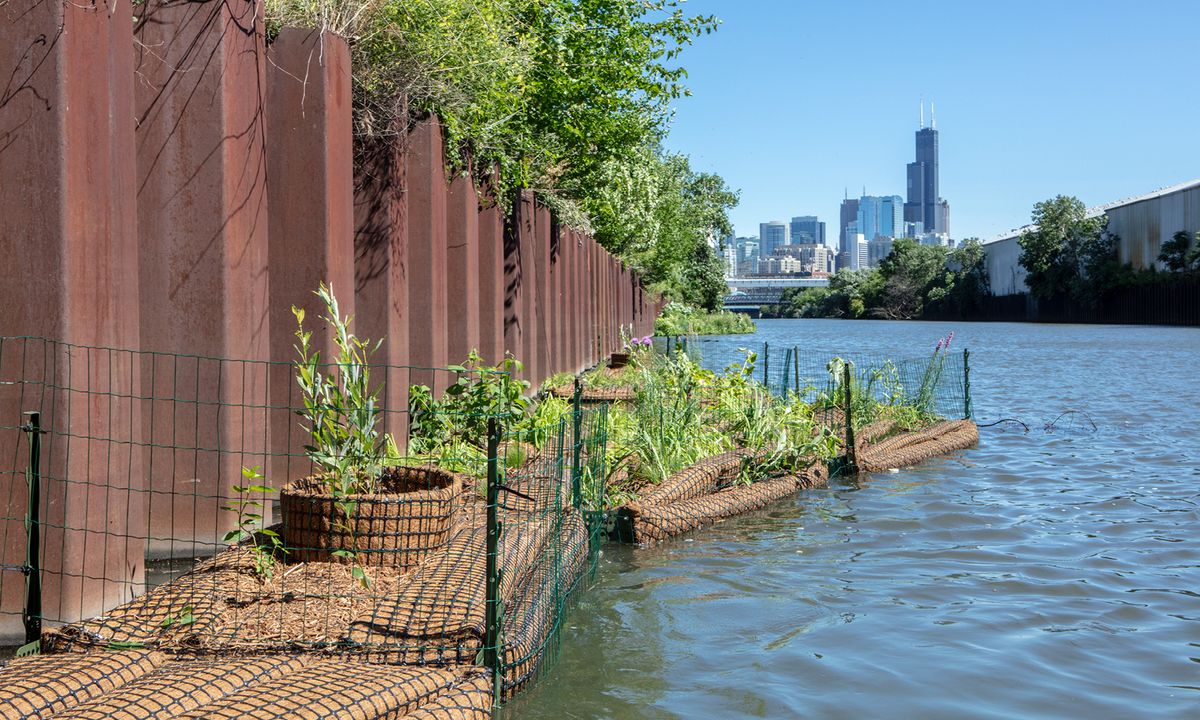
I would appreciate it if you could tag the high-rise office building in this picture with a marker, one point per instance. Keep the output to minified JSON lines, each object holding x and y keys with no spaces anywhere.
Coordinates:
{"x":878,"y":249}
{"x":943,"y":212}
{"x":747,"y":260}
{"x":807,"y":229}
{"x":772,"y":235}
{"x":729,"y":256}
{"x":856,"y":255}
{"x":923,"y":197}
{"x":881,"y":216}
{"x":849,"y":214}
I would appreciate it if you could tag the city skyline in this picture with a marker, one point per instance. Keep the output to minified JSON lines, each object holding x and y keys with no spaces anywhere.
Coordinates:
{"x":1014,"y":134}
{"x":922,"y":211}
{"x":890,"y":216}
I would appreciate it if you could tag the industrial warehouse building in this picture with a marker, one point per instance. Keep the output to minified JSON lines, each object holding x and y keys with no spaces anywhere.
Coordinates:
{"x":1142,"y":223}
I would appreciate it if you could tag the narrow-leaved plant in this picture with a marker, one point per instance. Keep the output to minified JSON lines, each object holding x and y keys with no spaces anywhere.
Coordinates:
{"x":264,"y":544}
{"x":341,"y":414}
{"x":341,"y":409}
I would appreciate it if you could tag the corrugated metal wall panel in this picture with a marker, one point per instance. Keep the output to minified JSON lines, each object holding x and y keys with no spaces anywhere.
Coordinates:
{"x":1144,"y":226}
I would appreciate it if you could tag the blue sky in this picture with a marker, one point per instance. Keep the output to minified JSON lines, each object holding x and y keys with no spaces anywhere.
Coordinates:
{"x":794,"y":101}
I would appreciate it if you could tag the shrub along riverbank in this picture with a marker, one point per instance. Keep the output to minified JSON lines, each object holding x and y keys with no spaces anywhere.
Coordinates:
{"x":678,"y":319}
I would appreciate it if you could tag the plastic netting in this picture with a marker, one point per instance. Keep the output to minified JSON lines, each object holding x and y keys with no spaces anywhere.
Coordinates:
{"x":598,"y":394}
{"x":333,"y":689}
{"x":41,"y":686}
{"x":142,"y":685}
{"x":909,"y":448}
{"x":653,"y":519}
{"x":156,"y":468}
{"x":937,"y":384}
{"x":180,"y":687}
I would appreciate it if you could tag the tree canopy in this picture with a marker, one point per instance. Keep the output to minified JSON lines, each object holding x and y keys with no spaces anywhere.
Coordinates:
{"x":1178,"y":255}
{"x":1068,"y":253}
{"x":570,"y":98}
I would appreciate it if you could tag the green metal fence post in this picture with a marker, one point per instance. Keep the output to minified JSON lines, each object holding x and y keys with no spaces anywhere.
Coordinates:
{"x":796,"y":367}
{"x":787,"y":360}
{"x":851,"y":459}
{"x":32,"y":616}
{"x":577,"y":452}
{"x":766,"y":364}
{"x":491,"y":649}
{"x":966,"y":383}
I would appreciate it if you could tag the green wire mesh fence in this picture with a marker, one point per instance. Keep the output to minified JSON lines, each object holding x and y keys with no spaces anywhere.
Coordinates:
{"x":168,"y":502}
{"x":937,"y":385}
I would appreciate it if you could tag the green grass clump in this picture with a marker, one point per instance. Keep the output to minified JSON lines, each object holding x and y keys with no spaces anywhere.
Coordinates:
{"x":684,"y":413}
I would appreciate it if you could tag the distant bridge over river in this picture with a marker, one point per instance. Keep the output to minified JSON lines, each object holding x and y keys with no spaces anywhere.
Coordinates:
{"x":748,"y":294}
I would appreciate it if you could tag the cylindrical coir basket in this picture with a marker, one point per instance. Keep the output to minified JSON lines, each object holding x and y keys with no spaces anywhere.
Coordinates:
{"x":398,"y":526}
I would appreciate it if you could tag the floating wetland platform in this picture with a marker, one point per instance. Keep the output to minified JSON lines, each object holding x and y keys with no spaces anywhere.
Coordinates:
{"x":446,"y":634}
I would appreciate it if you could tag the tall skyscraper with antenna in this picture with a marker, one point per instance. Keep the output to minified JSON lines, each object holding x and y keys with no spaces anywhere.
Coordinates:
{"x":924,"y":204}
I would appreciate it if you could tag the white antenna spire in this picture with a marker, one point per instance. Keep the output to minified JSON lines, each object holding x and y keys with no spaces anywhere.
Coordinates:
{"x":922,"y":126}
{"x":932,"y":116}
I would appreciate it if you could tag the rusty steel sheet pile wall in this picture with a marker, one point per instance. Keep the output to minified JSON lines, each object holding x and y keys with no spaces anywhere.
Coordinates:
{"x":69,"y":230}
{"x":175,"y":184}
{"x":202,"y":257}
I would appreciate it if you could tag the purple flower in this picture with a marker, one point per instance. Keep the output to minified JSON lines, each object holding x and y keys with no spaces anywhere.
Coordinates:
{"x":647,"y":341}
{"x":939,"y":345}
{"x":949,"y":338}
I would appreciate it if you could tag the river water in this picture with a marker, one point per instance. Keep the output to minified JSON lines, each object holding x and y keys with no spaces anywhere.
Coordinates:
{"x":1048,"y":574}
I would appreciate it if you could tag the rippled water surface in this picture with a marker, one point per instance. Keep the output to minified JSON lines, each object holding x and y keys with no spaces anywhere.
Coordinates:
{"x":1047,"y":574}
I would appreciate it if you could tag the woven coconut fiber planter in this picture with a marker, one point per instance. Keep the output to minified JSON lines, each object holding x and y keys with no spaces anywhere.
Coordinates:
{"x":398,"y":526}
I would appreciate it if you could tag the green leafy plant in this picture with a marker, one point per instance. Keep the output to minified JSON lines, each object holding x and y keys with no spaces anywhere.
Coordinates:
{"x":680,"y":319}
{"x":341,"y":408}
{"x":480,"y":392}
{"x":185,"y":617}
{"x":666,"y":429}
{"x":340,"y":414}
{"x":927,"y":392}
{"x":685,"y":413}
{"x":264,"y":544}
{"x":781,"y":431}
{"x":545,"y":420}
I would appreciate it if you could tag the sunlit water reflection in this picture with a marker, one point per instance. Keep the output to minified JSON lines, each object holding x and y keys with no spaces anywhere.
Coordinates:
{"x":1048,"y":574}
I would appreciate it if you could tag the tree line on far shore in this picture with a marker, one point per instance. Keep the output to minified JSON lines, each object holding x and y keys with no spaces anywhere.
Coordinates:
{"x":911,"y":282}
{"x":1066,"y":254}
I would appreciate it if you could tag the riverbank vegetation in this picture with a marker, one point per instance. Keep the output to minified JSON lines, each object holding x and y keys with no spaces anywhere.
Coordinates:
{"x":675,"y":413}
{"x":1071,"y":260}
{"x":678,"y":319}
{"x":913,"y":281}
{"x":565,"y":99}
{"x":683,"y":413}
